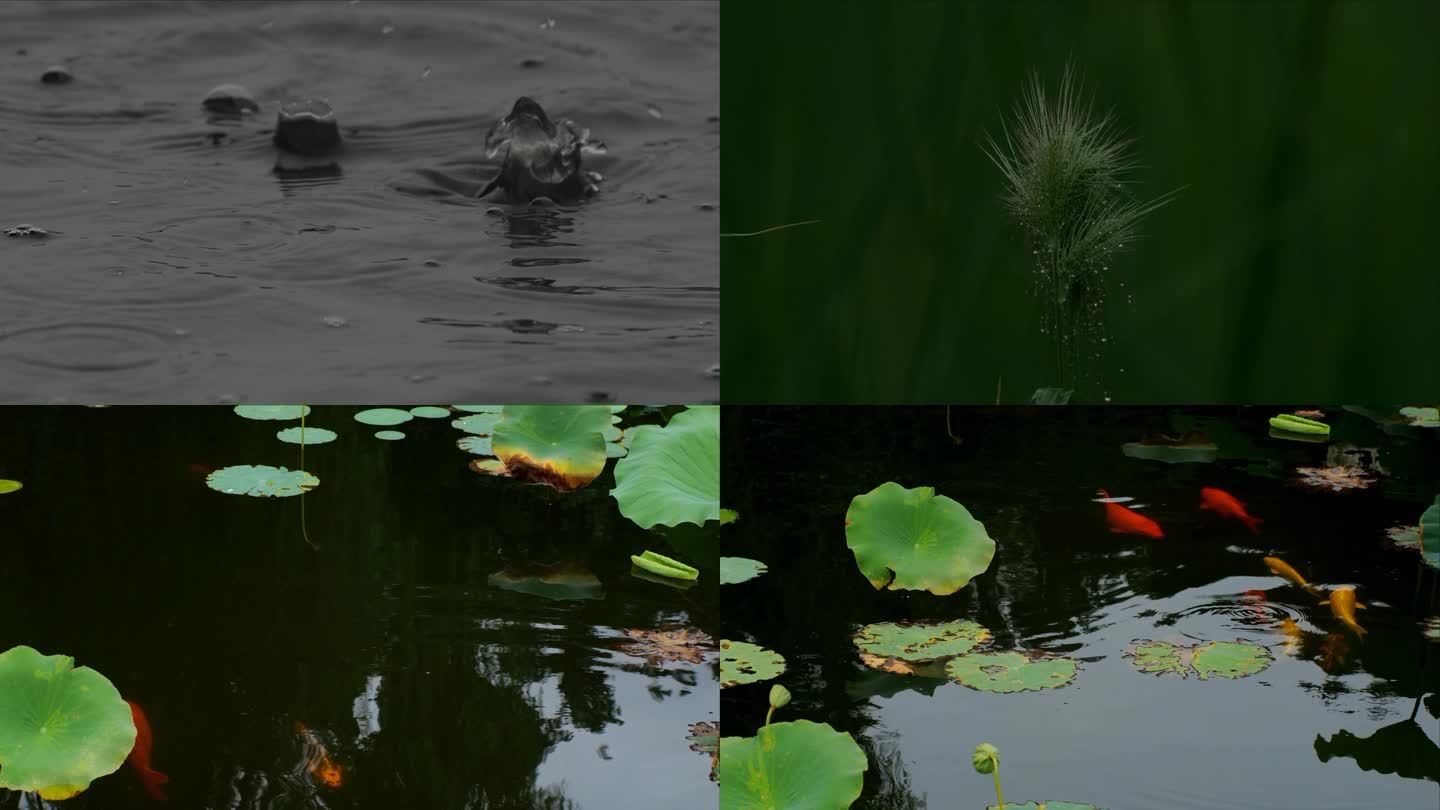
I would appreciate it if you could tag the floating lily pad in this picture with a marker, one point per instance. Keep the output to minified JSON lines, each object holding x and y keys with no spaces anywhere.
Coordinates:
{"x":306,"y":435}
{"x":1406,"y":537}
{"x":742,"y":663}
{"x":734,"y":570}
{"x":261,"y":481}
{"x":1430,"y":535}
{"x":562,"y":446}
{"x":562,"y":583}
{"x":920,"y":642}
{"x":276,"y":412}
{"x":60,"y":727}
{"x":704,"y":738}
{"x":1220,"y":659}
{"x":478,"y":423}
{"x":799,"y":765}
{"x":389,"y":435}
{"x":7,"y":486}
{"x":1430,"y":629}
{"x":1335,"y":478}
{"x":673,"y":644}
{"x":672,"y":474}
{"x":1190,"y":447}
{"x":913,"y":539}
{"x":478,"y":408}
{"x":430,"y":412}
{"x":479,"y":445}
{"x":383,"y":416}
{"x":1422,"y":417}
{"x":1010,"y":672}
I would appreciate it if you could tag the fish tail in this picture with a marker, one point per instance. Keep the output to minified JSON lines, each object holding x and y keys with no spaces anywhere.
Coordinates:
{"x":1103,"y":493}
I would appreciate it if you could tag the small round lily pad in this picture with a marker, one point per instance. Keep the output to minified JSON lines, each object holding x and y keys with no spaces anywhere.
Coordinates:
{"x":60,"y":727}
{"x":383,"y":416}
{"x":306,"y":435}
{"x":913,"y":539}
{"x":920,"y":642}
{"x":272,"y":412}
{"x":1216,"y":659}
{"x":261,"y":481}
{"x":742,"y":663}
{"x":734,"y":570}
{"x":430,"y":412}
{"x":1430,"y":629}
{"x":7,"y":486}
{"x":1010,"y":672}
{"x":389,"y":435}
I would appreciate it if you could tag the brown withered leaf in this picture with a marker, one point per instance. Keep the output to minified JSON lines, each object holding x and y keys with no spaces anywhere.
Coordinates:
{"x":673,"y":644}
{"x":1336,"y":478}
{"x":884,"y":664}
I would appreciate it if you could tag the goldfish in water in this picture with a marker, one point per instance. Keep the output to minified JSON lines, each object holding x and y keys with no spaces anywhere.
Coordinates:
{"x":1127,"y":521}
{"x":1342,"y":604}
{"x":1282,"y":569}
{"x":140,"y":755}
{"x":317,"y":759}
{"x":1294,"y":636}
{"x":1226,"y":505}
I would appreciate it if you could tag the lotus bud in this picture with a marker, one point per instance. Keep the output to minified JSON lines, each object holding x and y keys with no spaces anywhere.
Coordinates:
{"x":779,"y":696}
{"x":986,"y":758}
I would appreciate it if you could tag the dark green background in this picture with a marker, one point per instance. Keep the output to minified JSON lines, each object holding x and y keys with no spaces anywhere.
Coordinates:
{"x":1297,"y":264}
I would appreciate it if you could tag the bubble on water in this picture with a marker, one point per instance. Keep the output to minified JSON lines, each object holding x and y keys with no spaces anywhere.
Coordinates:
{"x":387,"y":29}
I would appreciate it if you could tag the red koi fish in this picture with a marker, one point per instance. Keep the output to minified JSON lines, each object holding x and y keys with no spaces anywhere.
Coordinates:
{"x":140,"y":756}
{"x":317,"y":760}
{"x":1127,"y":521}
{"x":1224,"y":504}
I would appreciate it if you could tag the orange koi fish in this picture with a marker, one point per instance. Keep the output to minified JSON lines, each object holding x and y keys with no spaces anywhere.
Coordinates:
{"x":140,"y":755}
{"x":1123,"y":520}
{"x":317,"y":759}
{"x":1224,"y":504}
{"x":1282,"y":569}
{"x":1342,"y":604}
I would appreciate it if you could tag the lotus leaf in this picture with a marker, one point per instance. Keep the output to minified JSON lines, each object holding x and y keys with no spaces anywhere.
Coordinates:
{"x":1010,"y":672}
{"x":1406,"y":537}
{"x":664,"y":566}
{"x":1223,"y":659}
{"x":672,"y":473}
{"x":430,"y":412}
{"x":1430,"y":535}
{"x":913,"y":539}
{"x":478,"y":423}
{"x":674,"y":644}
{"x":728,"y":516}
{"x":7,"y":486}
{"x":261,"y":481}
{"x":60,"y":727}
{"x":734,"y":570}
{"x":562,"y":446}
{"x":1046,"y":806}
{"x":920,"y":642}
{"x":306,"y":435}
{"x":389,"y":435}
{"x":479,"y":445}
{"x":565,"y":583}
{"x":742,"y":663}
{"x":1430,"y":629}
{"x":278,"y":412}
{"x":1422,"y":417}
{"x":383,"y":417}
{"x":704,"y":738}
{"x":799,"y":765}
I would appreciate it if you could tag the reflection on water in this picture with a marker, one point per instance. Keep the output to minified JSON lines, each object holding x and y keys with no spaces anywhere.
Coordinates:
{"x":451,"y":640}
{"x":1062,"y":583}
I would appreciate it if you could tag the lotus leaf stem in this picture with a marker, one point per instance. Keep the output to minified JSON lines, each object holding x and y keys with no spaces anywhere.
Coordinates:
{"x":776,"y":228}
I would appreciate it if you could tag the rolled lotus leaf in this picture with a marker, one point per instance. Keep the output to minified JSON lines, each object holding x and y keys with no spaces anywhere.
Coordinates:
{"x":60,"y":727}
{"x":562,"y":446}
{"x":664,"y":566}
{"x":672,"y":474}
{"x":920,"y":641}
{"x":1010,"y":672}
{"x":734,"y":570}
{"x":7,"y":486}
{"x":799,"y":765}
{"x":742,"y":663}
{"x":1299,"y":424}
{"x":913,"y":539}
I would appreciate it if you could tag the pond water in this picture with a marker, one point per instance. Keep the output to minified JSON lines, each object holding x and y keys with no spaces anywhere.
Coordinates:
{"x":1337,"y":721}
{"x":450,"y":640}
{"x":188,"y":261}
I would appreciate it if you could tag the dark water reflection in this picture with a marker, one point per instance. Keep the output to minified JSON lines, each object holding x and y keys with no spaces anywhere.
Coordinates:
{"x":393,"y":642}
{"x":1336,"y":722}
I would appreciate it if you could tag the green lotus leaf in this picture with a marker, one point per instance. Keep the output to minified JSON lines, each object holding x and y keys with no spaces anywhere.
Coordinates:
{"x":563,"y":584}
{"x":734,"y":570}
{"x":913,"y":539}
{"x":478,"y":423}
{"x":478,"y":408}
{"x":728,"y":516}
{"x":1422,"y":417}
{"x":7,"y":486}
{"x":920,"y":642}
{"x":1430,"y":535}
{"x":704,"y":738}
{"x":1406,"y":537}
{"x":1222,"y":659}
{"x":60,"y":727}
{"x":742,"y":663}
{"x":430,"y":412}
{"x":664,"y":566}
{"x":1430,"y":629}
{"x":797,"y":765}
{"x":306,"y":435}
{"x":389,"y":435}
{"x":278,"y":412}
{"x":383,"y":417}
{"x":562,"y":446}
{"x":1010,"y":672}
{"x":479,"y":445}
{"x":1046,"y":806}
{"x":672,"y":474}
{"x":261,"y":481}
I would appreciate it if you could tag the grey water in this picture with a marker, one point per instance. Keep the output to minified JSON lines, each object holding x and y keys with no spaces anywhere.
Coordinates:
{"x":186,"y":260}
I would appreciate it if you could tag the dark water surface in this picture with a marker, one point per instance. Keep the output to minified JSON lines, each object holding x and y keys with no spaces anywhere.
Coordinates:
{"x":1328,"y":725}
{"x":182,"y":268}
{"x":427,"y":683}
